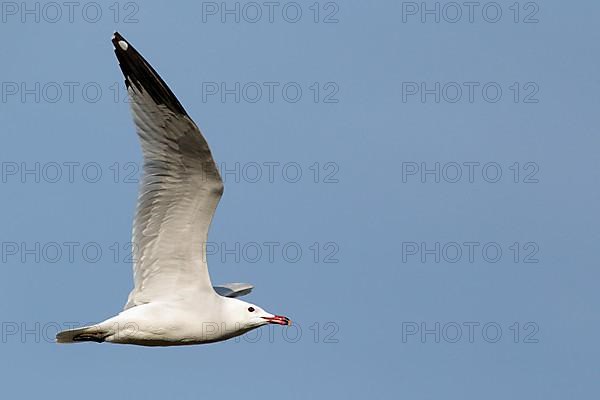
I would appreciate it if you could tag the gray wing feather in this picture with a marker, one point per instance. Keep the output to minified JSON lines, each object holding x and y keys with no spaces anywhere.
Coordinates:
{"x":233,"y":289}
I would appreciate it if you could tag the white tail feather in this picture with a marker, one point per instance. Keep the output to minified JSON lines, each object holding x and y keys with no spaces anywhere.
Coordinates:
{"x":85,"y":334}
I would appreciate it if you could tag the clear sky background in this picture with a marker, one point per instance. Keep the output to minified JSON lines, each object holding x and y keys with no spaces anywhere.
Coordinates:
{"x":376,"y":316}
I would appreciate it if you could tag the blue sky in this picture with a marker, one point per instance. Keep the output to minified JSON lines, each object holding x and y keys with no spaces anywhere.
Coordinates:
{"x":416,"y":188}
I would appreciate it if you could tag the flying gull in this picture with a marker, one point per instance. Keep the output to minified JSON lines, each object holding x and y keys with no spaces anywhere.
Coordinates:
{"x":173,"y":301}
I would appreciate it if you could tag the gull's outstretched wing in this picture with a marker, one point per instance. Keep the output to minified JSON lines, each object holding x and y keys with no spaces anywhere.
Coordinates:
{"x":179,"y":191}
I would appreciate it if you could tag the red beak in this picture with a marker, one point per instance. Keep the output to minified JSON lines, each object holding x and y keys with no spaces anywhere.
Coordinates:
{"x":279,"y":319}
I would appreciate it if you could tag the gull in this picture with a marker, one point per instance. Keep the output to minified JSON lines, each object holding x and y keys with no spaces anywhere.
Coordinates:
{"x":173,"y":301}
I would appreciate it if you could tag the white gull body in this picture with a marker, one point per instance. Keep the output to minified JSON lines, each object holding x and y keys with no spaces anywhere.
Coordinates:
{"x":173,"y":301}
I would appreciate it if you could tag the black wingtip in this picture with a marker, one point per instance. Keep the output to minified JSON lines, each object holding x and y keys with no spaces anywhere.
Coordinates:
{"x":120,"y":43}
{"x":117,"y":36}
{"x":139,"y":73}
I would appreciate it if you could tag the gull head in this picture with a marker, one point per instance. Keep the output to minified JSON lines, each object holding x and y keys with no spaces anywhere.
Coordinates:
{"x":249,"y":316}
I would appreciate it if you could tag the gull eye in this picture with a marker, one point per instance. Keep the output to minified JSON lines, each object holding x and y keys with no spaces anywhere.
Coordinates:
{"x":251,"y":309}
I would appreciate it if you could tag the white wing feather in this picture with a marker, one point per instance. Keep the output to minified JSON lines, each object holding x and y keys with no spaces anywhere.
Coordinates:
{"x":179,"y":191}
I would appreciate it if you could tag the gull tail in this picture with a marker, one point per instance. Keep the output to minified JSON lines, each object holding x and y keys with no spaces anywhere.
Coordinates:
{"x":92,"y":333}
